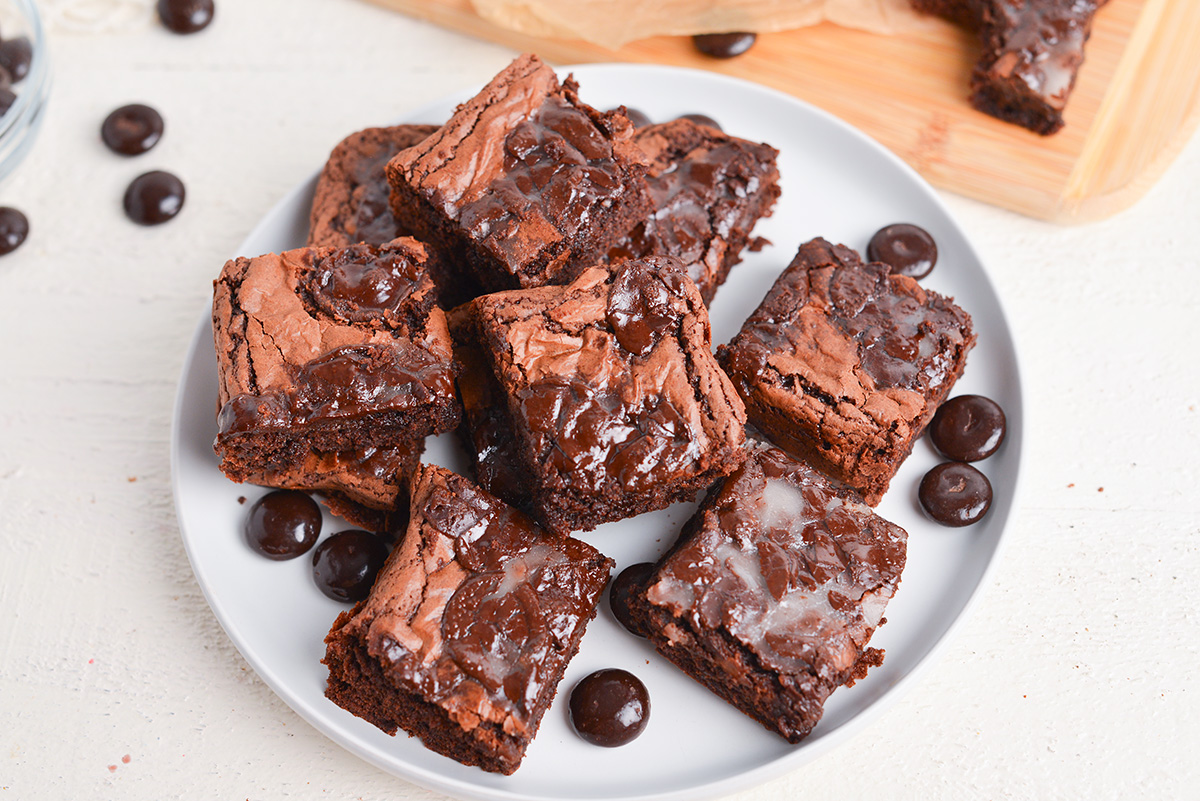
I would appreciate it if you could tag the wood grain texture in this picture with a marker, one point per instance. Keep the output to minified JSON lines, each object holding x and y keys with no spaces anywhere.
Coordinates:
{"x":1134,"y":106}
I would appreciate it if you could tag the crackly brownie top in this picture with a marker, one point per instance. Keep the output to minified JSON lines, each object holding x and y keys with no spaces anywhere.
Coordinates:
{"x":796,"y":571}
{"x":611,"y":378}
{"x":1037,"y":44}
{"x":524,"y":164}
{"x":323,"y":333}
{"x":700,"y":180}
{"x":350,"y":203}
{"x":852,"y":333}
{"x":477,"y":607}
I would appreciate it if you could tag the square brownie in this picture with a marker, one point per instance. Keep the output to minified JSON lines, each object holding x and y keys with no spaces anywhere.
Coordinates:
{"x":525,"y":184}
{"x":469,"y":626}
{"x":773,"y":591}
{"x":328,"y":351}
{"x":843,"y":363}
{"x":350,"y":204}
{"x":606,"y":392}
{"x":708,"y":190}
{"x":1032,"y":52}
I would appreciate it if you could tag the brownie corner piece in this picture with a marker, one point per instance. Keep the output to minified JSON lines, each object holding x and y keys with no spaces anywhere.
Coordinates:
{"x":525,"y":183}
{"x":327,"y":351}
{"x":772,"y":593}
{"x":615,"y":403}
{"x":469,"y":626}
{"x":844,"y":363}
{"x":350,"y":201}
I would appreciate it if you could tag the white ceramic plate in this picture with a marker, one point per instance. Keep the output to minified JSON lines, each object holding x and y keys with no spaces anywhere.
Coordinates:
{"x":837,"y":183}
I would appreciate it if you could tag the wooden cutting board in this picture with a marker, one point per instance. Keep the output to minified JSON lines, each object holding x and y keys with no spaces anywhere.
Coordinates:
{"x":1135,"y":103}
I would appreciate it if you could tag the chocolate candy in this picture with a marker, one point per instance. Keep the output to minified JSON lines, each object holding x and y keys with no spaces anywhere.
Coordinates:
{"x":906,"y":248}
{"x":627,"y":582}
{"x":724,"y":45}
{"x":132,"y":130}
{"x":610,"y":707}
{"x":967,"y":428}
{"x":16,"y":56}
{"x":154,"y":197}
{"x":283,"y":524}
{"x":702,"y":119}
{"x":345,"y":565}
{"x":955,"y":494}
{"x":14,"y":227}
{"x":638,"y":117}
{"x":185,"y":16}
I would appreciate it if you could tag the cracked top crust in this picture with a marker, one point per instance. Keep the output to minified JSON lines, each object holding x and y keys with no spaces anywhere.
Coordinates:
{"x":610,"y":380}
{"x":707,"y":189}
{"x":477,"y":608}
{"x":326,"y":333}
{"x":350,"y":203}
{"x":847,"y":362}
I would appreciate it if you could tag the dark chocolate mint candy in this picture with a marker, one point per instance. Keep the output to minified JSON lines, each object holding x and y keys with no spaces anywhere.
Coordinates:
{"x":345,"y":565}
{"x":968,"y":428}
{"x":610,"y":707}
{"x":283,"y":524}
{"x":955,"y":494}
{"x":16,"y":56}
{"x":724,"y":45}
{"x":637,"y":117}
{"x":154,"y":197}
{"x":14,"y":227}
{"x":627,"y":582}
{"x":702,"y":119}
{"x":908,"y":249}
{"x":185,"y":16}
{"x":132,"y":130}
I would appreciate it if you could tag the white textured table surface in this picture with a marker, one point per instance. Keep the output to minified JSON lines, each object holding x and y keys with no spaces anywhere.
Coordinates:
{"x":1075,"y":677}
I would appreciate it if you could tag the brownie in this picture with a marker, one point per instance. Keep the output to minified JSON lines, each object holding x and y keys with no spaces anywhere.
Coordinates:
{"x":350,"y":203}
{"x":708,"y":190}
{"x":470,"y":624}
{"x":328,"y":351}
{"x":1032,"y":51}
{"x":363,"y":485}
{"x":844,"y":363}
{"x":525,"y":184}
{"x":773,"y":591}
{"x":610,"y":402}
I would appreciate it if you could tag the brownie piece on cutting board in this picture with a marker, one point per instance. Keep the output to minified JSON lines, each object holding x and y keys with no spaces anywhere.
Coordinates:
{"x":1032,"y":52}
{"x":708,"y":190}
{"x":525,"y":184}
{"x":843,"y":363}
{"x":326,"y":351}
{"x":773,"y":591}
{"x":601,"y":397}
{"x":469,"y":626}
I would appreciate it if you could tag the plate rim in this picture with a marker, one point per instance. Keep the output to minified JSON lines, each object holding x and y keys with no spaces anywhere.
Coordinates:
{"x":432,"y":779}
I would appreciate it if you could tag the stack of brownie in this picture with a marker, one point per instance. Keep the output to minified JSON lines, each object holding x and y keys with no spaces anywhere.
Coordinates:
{"x":540,"y":274}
